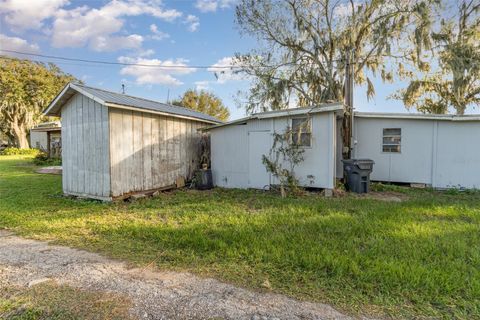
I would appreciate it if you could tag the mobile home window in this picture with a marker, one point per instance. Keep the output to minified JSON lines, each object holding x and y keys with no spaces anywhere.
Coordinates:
{"x":302,"y":131}
{"x":392,"y":140}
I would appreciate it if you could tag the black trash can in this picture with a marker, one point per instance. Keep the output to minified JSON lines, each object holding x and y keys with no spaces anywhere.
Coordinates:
{"x":357,"y":174}
{"x":203,"y":179}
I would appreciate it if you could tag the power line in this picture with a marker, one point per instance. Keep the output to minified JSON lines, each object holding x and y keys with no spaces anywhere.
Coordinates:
{"x":114,"y":63}
{"x":122,"y":63}
{"x":56,"y":62}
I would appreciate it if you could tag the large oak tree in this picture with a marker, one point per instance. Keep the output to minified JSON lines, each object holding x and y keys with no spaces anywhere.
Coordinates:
{"x":455,"y":82}
{"x":305,"y":45}
{"x":26,"y":88}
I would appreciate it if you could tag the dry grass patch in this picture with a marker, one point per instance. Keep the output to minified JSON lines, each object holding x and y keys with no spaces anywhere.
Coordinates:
{"x":49,"y":300}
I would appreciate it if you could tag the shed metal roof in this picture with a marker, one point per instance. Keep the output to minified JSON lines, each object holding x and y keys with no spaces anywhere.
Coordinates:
{"x":418,"y":116}
{"x":48,"y":126}
{"x":118,"y":100}
{"x":326,"y":107}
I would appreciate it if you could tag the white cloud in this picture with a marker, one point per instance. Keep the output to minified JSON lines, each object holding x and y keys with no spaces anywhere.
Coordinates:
{"x":206,"y":5}
{"x":225,"y":74}
{"x":155,"y":75}
{"x":107,"y":43}
{"x":213,"y":5}
{"x":193,"y":22}
{"x":145,"y":53}
{"x":17,"y":44}
{"x":97,"y":27}
{"x":202,"y":85}
{"x":22,"y":15}
{"x":157,"y":34}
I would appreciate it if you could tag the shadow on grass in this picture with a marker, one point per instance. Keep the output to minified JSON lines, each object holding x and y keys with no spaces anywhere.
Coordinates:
{"x":417,"y":257}
{"x":336,"y":256}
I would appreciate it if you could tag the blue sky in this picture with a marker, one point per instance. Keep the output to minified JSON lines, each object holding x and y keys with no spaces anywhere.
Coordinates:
{"x":195,"y":32}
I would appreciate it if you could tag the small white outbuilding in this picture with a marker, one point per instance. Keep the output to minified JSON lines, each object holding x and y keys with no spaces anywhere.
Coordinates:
{"x":440,"y":151}
{"x":238,"y":146}
{"x":114,"y":144}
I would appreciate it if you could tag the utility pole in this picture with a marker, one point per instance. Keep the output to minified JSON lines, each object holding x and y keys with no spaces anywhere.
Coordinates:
{"x":347,"y":124}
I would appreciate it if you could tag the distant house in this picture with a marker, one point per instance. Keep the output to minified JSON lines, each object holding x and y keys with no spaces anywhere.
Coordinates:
{"x":435,"y":150}
{"x":114,"y":144}
{"x":47,"y":137}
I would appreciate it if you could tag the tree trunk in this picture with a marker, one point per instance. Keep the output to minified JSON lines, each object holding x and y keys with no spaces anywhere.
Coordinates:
{"x":282,"y":191}
{"x":20,"y":135}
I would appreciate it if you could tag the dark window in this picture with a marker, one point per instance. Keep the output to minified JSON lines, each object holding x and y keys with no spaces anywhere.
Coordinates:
{"x":302,"y":131}
{"x":392,"y":140}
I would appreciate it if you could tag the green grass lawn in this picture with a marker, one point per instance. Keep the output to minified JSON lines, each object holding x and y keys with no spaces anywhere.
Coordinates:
{"x":417,"y":258}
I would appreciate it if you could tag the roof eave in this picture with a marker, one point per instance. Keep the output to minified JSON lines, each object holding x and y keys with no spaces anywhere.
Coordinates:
{"x":125,"y":107}
{"x":55,"y":106}
{"x":379,"y":115}
{"x":51,"y":110}
{"x":283,"y":113}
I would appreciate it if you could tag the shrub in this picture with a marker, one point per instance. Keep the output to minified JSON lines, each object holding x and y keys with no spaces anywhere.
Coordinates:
{"x":42,"y":159}
{"x":283,"y":158}
{"x":12,"y":151}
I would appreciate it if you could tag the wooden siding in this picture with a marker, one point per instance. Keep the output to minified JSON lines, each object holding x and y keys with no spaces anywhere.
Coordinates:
{"x":85,"y":149}
{"x":149,"y":151}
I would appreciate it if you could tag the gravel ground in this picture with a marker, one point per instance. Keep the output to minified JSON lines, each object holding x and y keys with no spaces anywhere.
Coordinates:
{"x":155,"y":295}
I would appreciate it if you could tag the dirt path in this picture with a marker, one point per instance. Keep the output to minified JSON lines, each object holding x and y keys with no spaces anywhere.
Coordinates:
{"x":155,"y":295}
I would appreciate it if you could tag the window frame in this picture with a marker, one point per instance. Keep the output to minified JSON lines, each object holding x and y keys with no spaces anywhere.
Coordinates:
{"x":307,"y":118}
{"x":399,"y":144}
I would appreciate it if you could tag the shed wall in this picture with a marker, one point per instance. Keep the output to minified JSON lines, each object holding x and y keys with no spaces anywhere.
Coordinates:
{"x":435,"y":152}
{"x":150,"y":151}
{"x":38,"y":140}
{"x":412,"y":165}
{"x":85,"y":149}
{"x":230,"y":152}
{"x":457,"y":155}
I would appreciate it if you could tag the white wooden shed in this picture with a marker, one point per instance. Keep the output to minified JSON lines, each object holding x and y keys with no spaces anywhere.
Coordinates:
{"x":237,"y":147}
{"x":114,"y":144}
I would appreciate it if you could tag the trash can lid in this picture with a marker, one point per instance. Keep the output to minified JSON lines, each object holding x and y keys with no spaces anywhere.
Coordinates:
{"x":358,"y":161}
{"x":370,"y":161}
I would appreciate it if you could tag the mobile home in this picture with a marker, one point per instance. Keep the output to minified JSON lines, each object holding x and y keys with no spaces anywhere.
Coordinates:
{"x":434,"y":150}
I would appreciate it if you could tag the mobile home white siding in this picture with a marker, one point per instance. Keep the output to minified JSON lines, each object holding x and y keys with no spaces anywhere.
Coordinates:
{"x":237,"y":149}
{"x":85,"y":148}
{"x":412,"y":165}
{"x":439,"y":153}
{"x":457,"y":154}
